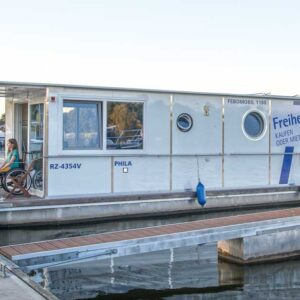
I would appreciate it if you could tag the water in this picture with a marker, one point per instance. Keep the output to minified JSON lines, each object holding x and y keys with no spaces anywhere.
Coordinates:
{"x":184,"y":273}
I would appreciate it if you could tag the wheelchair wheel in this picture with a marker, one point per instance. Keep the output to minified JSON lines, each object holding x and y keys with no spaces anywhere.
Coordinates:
{"x":2,"y":180}
{"x":37,"y":180}
{"x":19,"y":176}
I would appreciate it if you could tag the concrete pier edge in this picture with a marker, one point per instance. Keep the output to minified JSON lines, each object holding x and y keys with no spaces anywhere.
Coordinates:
{"x":91,"y":209}
{"x":11,"y":267}
{"x":258,"y":260}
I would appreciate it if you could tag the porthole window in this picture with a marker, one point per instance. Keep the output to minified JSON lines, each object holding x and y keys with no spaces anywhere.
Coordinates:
{"x":184,"y":122}
{"x":254,"y":125}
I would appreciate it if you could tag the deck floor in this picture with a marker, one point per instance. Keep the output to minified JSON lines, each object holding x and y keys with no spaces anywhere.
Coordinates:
{"x":74,"y":242}
{"x":23,"y":201}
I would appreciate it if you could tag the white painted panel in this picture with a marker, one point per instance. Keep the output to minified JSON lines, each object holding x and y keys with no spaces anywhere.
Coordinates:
{"x":276,"y":167}
{"x":185,"y":172}
{"x":156,"y":120}
{"x":55,"y":113}
{"x":79,"y":176}
{"x":54,"y":119}
{"x":235,"y":141}
{"x":206,"y":134}
{"x":285,"y":123}
{"x":157,"y":124}
{"x":246,"y":170}
{"x":144,"y":174}
{"x":294,"y":177}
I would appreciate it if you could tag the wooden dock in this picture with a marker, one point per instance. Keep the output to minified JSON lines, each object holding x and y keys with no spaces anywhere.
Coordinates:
{"x":149,"y":239}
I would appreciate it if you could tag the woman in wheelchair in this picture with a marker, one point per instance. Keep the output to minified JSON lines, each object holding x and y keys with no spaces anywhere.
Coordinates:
{"x":11,"y":172}
{"x":12,"y":161}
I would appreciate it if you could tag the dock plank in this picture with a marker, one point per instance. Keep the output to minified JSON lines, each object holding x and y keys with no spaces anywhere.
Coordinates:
{"x":46,"y":246}
{"x":9,"y":251}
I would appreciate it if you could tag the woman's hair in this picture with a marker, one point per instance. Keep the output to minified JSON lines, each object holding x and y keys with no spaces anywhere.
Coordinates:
{"x":14,"y":143}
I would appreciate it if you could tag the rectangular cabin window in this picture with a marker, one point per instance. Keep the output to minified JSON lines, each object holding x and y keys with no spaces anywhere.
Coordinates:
{"x":124,"y":125}
{"x":36,"y":130}
{"x":81,"y":125}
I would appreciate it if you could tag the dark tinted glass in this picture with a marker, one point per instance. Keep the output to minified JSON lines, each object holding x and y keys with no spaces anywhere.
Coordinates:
{"x":184,"y":122}
{"x":253,"y":124}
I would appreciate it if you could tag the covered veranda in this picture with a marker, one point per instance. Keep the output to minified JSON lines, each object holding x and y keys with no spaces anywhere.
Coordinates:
{"x":24,"y":108}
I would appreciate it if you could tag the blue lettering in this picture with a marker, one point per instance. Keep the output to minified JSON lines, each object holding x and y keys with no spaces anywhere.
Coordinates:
{"x":275,"y":122}
{"x":286,"y":122}
{"x":123,"y":163}
{"x":65,"y":166}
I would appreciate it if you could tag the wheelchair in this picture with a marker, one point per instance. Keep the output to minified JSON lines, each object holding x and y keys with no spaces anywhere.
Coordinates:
{"x":18,"y":181}
{"x":15,"y":181}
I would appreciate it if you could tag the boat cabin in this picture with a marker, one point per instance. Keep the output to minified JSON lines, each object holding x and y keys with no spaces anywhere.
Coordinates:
{"x":99,"y":141}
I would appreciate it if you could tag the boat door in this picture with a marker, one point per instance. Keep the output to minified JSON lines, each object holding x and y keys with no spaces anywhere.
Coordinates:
{"x":29,"y":132}
{"x":35,"y":144}
{"x":21,"y":127}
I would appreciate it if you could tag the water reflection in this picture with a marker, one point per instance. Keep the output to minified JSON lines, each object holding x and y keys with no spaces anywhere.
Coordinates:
{"x":161,"y":270}
{"x":183,"y":273}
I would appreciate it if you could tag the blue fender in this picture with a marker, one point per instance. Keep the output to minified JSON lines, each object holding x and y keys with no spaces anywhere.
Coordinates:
{"x":201,"y":194}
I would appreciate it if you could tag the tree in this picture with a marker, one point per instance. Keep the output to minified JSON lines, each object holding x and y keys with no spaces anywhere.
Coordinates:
{"x":125,"y":116}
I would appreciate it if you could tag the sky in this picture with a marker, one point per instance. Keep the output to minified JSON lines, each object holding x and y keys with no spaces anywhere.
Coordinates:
{"x":232,"y":46}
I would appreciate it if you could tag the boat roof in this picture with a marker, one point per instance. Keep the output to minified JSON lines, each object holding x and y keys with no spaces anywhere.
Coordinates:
{"x":10,"y":88}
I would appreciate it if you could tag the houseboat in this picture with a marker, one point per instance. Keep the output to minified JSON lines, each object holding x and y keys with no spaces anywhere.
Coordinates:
{"x":122,"y":142}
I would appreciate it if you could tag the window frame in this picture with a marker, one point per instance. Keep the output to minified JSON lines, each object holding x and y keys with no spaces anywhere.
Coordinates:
{"x":264,"y":120}
{"x":103,"y":99}
{"x":124,"y":151}
{"x":99,"y":105}
{"x":31,"y":120}
{"x":188,"y":118}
